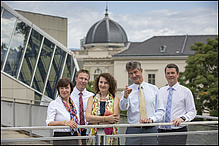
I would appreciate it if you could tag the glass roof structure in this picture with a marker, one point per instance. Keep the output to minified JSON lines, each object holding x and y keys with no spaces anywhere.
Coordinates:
{"x":32,"y":57}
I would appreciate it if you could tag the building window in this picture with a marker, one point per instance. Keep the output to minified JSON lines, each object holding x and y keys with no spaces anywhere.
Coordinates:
{"x":97,"y":72}
{"x":151,"y":79}
{"x":163,"y":48}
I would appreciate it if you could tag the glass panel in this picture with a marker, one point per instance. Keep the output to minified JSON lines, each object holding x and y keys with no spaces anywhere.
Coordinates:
{"x":7,"y":25}
{"x":17,"y":48}
{"x":30,"y":57}
{"x":37,"y":97}
{"x":43,"y":65}
{"x":69,"y":67}
{"x":74,"y":75}
{"x":55,"y":72}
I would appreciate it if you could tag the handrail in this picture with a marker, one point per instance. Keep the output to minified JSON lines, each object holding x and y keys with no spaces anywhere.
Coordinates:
{"x":25,"y":99}
{"x":197,"y":116}
{"x":206,"y":117}
{"x":104,"y":126}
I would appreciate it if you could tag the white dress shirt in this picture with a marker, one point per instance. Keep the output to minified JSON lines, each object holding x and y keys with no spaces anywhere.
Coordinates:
{"x":182,"y":103}
{"x":57,"y":112}
{"x":154,"y":105}
{"x":75,"y":97}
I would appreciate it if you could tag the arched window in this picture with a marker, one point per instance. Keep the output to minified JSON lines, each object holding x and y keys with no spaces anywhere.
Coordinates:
{"x":97,"y":72}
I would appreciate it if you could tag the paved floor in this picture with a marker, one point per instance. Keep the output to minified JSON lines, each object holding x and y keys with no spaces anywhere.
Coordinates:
{"x":15,"y":134}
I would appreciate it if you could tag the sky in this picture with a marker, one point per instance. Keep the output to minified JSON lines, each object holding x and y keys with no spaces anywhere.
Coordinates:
{"x":141,"y":20}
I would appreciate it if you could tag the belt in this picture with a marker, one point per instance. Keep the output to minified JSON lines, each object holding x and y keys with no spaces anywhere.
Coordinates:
{"x":173,"y":130}
{"x":144,"y":127}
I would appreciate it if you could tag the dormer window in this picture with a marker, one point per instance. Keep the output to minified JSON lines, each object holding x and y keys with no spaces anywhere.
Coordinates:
{"x":163,"y":48}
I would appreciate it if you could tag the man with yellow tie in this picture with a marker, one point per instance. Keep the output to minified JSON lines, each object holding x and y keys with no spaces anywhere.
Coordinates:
{"x":142,"y":105}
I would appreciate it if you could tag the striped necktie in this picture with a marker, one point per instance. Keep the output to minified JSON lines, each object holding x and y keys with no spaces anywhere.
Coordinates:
{"x":82,"y":122}
{"x":168,"y":108}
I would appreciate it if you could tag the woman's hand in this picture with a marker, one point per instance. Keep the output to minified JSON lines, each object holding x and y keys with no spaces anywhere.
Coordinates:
{"x":112,"y":118}
{"x":71,"y":123}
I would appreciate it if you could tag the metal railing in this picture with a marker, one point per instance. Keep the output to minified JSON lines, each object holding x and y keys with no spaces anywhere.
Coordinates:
{"x":100,"y":131}
{"x":99,"y":127}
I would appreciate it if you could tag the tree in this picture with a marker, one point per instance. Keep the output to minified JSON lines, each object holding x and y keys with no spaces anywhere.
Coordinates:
{"x":201,"y":76}
{"x":90,"y":86}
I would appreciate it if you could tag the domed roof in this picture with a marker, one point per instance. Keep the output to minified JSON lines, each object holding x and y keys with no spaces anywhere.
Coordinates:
{"x":106,"y":31}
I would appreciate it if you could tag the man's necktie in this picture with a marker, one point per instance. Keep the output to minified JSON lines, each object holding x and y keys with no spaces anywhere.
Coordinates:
{"x":143,"y":111}
{"x":82,"y":122}
{"x":168,"y":108}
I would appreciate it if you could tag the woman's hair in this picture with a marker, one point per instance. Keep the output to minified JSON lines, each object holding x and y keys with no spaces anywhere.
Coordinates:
{"x":111,"y":81}
{"x":64,"y":82}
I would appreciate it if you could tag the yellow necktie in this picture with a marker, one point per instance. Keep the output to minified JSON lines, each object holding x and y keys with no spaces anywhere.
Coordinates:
{"x":143,"y":111}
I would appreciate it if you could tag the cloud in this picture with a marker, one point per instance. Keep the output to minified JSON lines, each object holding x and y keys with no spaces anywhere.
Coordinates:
{"x":169,"y":22}
{"x":139,"y":26}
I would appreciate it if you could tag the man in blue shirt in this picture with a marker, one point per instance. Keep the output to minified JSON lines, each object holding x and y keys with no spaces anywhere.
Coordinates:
{"x":130,"y":102}
{"x":179,"y":107}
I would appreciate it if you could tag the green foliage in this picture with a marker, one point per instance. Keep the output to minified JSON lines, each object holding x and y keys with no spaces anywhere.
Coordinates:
{"x":201,"y":76}
{"x":123,"y":112}
{"x":90,"y":86}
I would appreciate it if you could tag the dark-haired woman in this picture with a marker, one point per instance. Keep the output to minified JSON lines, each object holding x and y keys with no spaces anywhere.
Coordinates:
{"x":103,"y":107}
{"x":63,"y":112}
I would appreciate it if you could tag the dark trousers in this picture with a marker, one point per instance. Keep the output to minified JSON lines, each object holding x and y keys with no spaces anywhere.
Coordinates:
{"x":83,"y":133}
{"x":147,"y":140}
{"x":172,"y":139}
{"x":65,"y":142}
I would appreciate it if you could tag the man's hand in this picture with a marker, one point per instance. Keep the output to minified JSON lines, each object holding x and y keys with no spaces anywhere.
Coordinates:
{"x":177,"y":121}
{"x":127,"y":91}
{"x":146,"y":120}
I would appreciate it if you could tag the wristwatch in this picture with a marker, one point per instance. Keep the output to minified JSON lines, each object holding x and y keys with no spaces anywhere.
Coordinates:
{"x":184,"y":119}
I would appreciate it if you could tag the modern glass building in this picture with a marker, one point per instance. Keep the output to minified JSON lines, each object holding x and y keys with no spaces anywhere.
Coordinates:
{"x":32,"y":57}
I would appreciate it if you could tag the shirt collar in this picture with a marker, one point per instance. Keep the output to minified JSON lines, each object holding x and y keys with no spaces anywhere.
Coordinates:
{"x":76,"y":91}
{"x":174,"y":86}
{"x":142,"y":85}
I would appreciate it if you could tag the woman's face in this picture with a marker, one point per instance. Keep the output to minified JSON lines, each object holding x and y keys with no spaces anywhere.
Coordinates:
{"x":103,"y":85}
{"x":65,"y":91}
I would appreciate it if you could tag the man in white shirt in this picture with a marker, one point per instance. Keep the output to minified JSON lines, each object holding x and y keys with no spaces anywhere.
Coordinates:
{"x":181,"y":107}
{"x":130,"y":102}
{"x":82,"y":77}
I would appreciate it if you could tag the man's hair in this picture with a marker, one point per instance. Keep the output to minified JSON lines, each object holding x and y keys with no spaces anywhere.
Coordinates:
{"x":83,"y":71}
{"x":131,"y":65}
{"x":64,"y":82}
{"x":171,"y":65}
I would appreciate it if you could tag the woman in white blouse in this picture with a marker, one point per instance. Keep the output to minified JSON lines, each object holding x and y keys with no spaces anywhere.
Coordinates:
{"x":63,"y":112}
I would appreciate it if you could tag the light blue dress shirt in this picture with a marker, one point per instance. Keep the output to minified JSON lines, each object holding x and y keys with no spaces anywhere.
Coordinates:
{"x":182,"y":103}
{"x":154,"y":104}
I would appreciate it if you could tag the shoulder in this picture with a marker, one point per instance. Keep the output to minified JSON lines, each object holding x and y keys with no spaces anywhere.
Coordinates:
{"x":154,"y":87}
{"x":54,"y":103}
{"x":116,"y":98}
{"x":90,"y":93}
{"x":184,"y":88}
{"x":163,"y":88}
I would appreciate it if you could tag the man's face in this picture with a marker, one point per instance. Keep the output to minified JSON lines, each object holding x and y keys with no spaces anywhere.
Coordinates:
{"x":136,"y":76}
{"x":81,"y":81}
{"x":171,"y":76}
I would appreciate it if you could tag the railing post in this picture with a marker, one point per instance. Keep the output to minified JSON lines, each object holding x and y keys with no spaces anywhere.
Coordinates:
{"x":14,"y":112}
{"x":30,"y":118}
{"x":100,"y":133}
